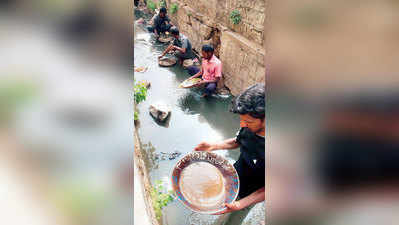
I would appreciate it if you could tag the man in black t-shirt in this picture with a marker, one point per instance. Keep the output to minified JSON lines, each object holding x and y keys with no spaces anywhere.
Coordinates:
{"x":251,"y":139}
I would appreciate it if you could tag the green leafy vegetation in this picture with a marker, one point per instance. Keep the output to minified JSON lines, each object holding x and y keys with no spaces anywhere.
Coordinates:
{"x":140,"y":95}
{"x":174,"y":8}
{"x":151,"y":5}
{"x":140,"y":92}
{"x":161,"y":198}
{"x":136,"y":115}
{"x":162,"y":3}
{"x":235,"y":16}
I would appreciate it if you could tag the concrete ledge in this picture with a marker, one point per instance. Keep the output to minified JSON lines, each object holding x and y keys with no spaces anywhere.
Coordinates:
{"x":144,"y":189}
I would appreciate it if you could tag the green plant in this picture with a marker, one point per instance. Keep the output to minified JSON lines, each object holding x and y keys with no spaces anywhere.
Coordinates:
{"x":140,"y":92}
{"x":151,"y":5}
{"x":162,"y":3}
{"x":235,"y":16}
{"x":161,"y":198}
{"x":136,"y":116}
{"x":174,"y":8}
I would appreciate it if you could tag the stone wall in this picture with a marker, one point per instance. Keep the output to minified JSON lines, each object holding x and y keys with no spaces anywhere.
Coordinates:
{"x":243,"y":62}
{"x":240,"y":47}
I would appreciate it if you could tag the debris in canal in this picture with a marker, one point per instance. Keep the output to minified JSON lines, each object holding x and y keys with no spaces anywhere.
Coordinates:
{"x":166,"y":155}
{"x":159,"y":111}
{"x":140,"y":69}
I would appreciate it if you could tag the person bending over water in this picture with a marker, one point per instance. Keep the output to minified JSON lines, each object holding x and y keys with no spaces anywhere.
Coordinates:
{"x":181,"y":45}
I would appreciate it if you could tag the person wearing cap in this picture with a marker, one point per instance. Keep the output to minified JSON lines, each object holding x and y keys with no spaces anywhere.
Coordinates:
{"x":181,"y":45}
{"x":211,"y":70}
{"x":250,"y":166}
{"x":161,"y":23}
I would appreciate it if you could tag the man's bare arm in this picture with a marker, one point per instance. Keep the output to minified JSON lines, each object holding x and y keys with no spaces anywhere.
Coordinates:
{"x":227,"y":144}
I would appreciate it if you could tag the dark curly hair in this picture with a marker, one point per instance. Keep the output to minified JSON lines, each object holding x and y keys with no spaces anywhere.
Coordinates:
{"x":251,"y":101}
{"x":163,"y":10}
{"x":208,"y":48}
{"x":174,"y":31}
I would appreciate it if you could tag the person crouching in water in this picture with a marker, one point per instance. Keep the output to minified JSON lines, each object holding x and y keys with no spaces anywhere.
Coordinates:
{"x":161,"y":23}
{"x":211,"y":70}
{"x":250,"y":166}
{"x":181,"y":45}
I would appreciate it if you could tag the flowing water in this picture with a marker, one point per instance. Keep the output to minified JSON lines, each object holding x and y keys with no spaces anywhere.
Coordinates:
{"x":193,"y":120}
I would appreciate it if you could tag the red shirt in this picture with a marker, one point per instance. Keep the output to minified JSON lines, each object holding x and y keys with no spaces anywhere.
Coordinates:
{"x":212,"y":69}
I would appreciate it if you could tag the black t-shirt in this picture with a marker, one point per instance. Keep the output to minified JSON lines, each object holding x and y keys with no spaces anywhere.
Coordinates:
{"x":251,"y":164}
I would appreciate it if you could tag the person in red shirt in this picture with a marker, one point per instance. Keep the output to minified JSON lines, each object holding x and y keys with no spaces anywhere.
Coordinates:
{"x":211,"y":70}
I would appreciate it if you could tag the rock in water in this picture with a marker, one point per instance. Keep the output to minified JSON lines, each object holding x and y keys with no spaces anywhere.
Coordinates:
{"x":159,"y":111}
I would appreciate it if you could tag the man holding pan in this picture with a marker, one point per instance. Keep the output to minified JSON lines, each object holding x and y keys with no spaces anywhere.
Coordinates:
{"x":250,"y":166}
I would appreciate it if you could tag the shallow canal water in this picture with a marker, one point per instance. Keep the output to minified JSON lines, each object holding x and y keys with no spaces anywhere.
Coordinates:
{"x":193,"y":120}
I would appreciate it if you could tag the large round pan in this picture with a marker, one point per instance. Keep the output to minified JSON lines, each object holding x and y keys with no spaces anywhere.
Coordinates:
{"x":189,"y":83}
{"x":167,"y":62}
{"x":163,"y":39}
{"x":229,"y":176}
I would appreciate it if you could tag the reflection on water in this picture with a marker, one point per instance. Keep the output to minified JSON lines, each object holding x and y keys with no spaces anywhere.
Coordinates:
{"x":150,"y":158}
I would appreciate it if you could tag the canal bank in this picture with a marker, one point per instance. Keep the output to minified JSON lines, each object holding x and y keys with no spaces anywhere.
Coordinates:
{"x":144,"y":213}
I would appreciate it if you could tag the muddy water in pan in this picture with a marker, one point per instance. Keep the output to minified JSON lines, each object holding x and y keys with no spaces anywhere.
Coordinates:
{"x":202,"y":184}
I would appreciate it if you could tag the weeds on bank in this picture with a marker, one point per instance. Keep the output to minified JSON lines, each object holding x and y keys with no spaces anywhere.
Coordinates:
{"x":151,"y":5}
{"x":235,"y":16}
{"x":161,"y":198}
{"x":140,"y":95}
{"x":174,"y":8}
{"x":136,"y":115}
{"x":162,"y":3}
{"x":140,"y":92}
